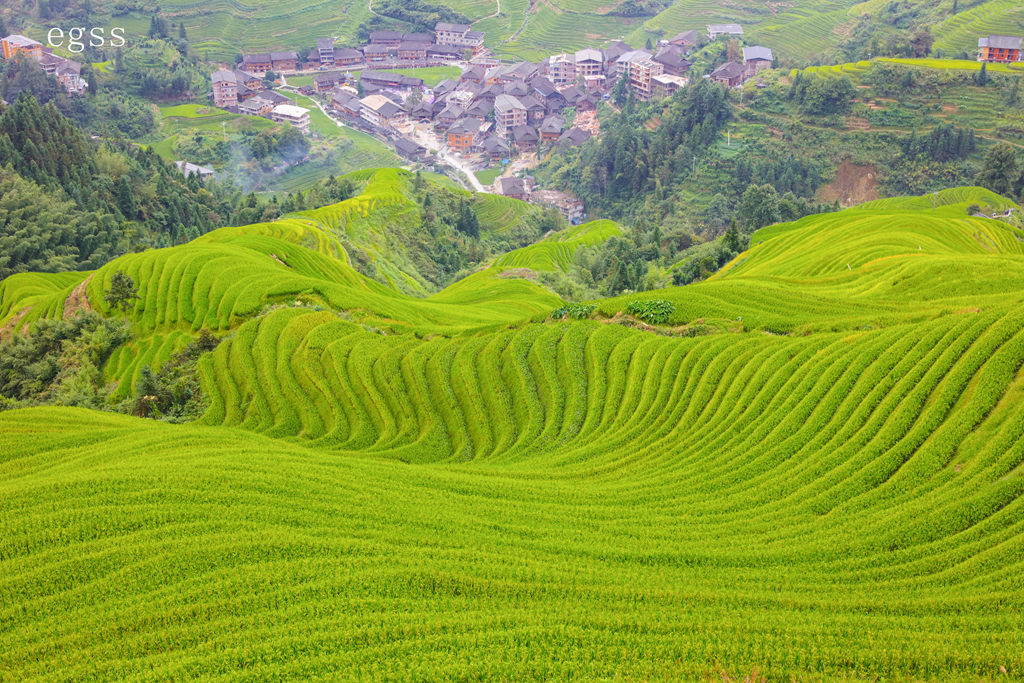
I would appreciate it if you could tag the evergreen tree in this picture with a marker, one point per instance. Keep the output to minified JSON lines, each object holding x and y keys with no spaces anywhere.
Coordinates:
{"x":731,"y":239}
{"x":981,"y":78}
{"x":1000,"y":172}
{"x":122,"y":293}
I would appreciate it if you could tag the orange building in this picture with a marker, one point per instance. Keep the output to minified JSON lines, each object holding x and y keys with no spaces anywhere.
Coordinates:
{"x":18,"y":44}
{"x":1000,"y":49}
{"x":462,"y":135}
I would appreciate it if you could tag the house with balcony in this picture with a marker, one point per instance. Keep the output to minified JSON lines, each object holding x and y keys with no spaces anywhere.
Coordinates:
{"x":1000,"y":49}
{"x":17,"y":44}
{"x":225,"y":88}
{"x":509,"y":112}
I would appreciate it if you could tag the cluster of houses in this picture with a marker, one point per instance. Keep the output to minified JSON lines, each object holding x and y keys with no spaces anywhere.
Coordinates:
{"x":448,"y":44}
{"x":1000,"y":49}
{"x":67,"y":71}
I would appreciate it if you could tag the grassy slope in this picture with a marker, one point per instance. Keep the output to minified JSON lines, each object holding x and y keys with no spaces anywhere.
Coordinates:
{"x":553,"y":500}
{"x":473,"y":494}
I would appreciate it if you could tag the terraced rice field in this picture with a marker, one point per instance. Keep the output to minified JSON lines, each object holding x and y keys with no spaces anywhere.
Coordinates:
{"x":828,"y":486}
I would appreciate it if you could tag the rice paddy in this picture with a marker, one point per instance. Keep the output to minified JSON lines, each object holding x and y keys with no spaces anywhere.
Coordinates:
{"x":814,"y":471}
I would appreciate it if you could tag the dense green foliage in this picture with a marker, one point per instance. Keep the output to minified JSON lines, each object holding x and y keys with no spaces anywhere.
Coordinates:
{"x":60,"y":362}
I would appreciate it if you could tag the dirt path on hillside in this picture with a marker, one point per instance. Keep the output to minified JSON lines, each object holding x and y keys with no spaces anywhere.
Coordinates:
{"x":78,"y":300}
{"x":7,"y":331}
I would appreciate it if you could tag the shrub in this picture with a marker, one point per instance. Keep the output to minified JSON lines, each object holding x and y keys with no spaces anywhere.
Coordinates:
{"x":574,"y":311}
{"x":653,"y":311}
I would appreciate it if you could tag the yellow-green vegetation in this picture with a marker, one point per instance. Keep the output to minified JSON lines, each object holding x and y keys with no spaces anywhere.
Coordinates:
{"x":812,"y":471}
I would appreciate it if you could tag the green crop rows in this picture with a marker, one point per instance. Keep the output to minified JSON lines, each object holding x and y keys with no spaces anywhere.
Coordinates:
{"x":813,"y":469}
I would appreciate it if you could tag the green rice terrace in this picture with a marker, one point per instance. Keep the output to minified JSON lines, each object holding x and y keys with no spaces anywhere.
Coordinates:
{"x":809,"y":468}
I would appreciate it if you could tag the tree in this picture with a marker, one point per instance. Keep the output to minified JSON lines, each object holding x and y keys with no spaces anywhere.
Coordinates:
{"x":759,"y":207}
{"x":181,"y":31}
{"x":981,"y":78}
{"x":1000,"y":172}
{"x":122,"y":293}
{"x":731,"y":239}
{"x":921,"y":42}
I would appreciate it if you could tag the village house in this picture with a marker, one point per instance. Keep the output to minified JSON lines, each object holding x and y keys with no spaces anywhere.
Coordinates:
{"x":551,"y":128}
{"x":716,"y":30}
{"x":382,"y":112}
{"x":480,"y":108}
{"x":275,"y":97}
{"x":371,"y":78}
{"x":225,"y":88}
{"x":495,"y":148}
{"x":526,"y":138}
{"x":562,"y":69}
{"x":386,"y":38}
{"x":640,"y":73}
{"x":412,"y":54}
{"x":248,"y":80}
{"x":684,"y":39}
{"x":589,"y":63}
{"x":17,"y":44}
{"x":443,"y":54}
{"x":462,"y":135}
{"x":346,"y":104}
{"x":665,"y":85}
{"x":622,"y":63}
{"x":729,"y":74}
{"x":672,"y":60}
{"x":69,"y":75}
{"x":297,"y":117}
{"x":256,"y":106}
{"x":1000,"y":49}
{"x":450,"y":114}
{"x":509,"y":112}
{"x":323,"y":82}
{"x":258,"y":63}
{"x":325,"y":52}
{"x":347,"y":56}
{"x":756,"y":59}
{"x":510,"y":186}
{"x":375,"y":54}
{"x":284,"y":61}
{"x":458,"y":35}
{"x":410,"y":150}
{"x":574,"y":137}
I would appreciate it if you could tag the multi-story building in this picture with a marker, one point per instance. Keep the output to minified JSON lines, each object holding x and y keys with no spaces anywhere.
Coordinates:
{"x":458,"y":35}
{"x":509,"y":112}
{"x":589,"y":62}
{"x":325,"y":51}
{"x":69,"y":75}
{"x":664,"y":85}
{"x":462,"y":135}
{"x":640,"y":73}
{"x":258,"y":63}
{"x":16,"y":44}
{"x":256,"y":106}
{"x":297,"y":117}
{"x":225,"y":88}
{"x":562,"y":69}
{"x":284,"y":61}
{"x":1003,"y":49}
